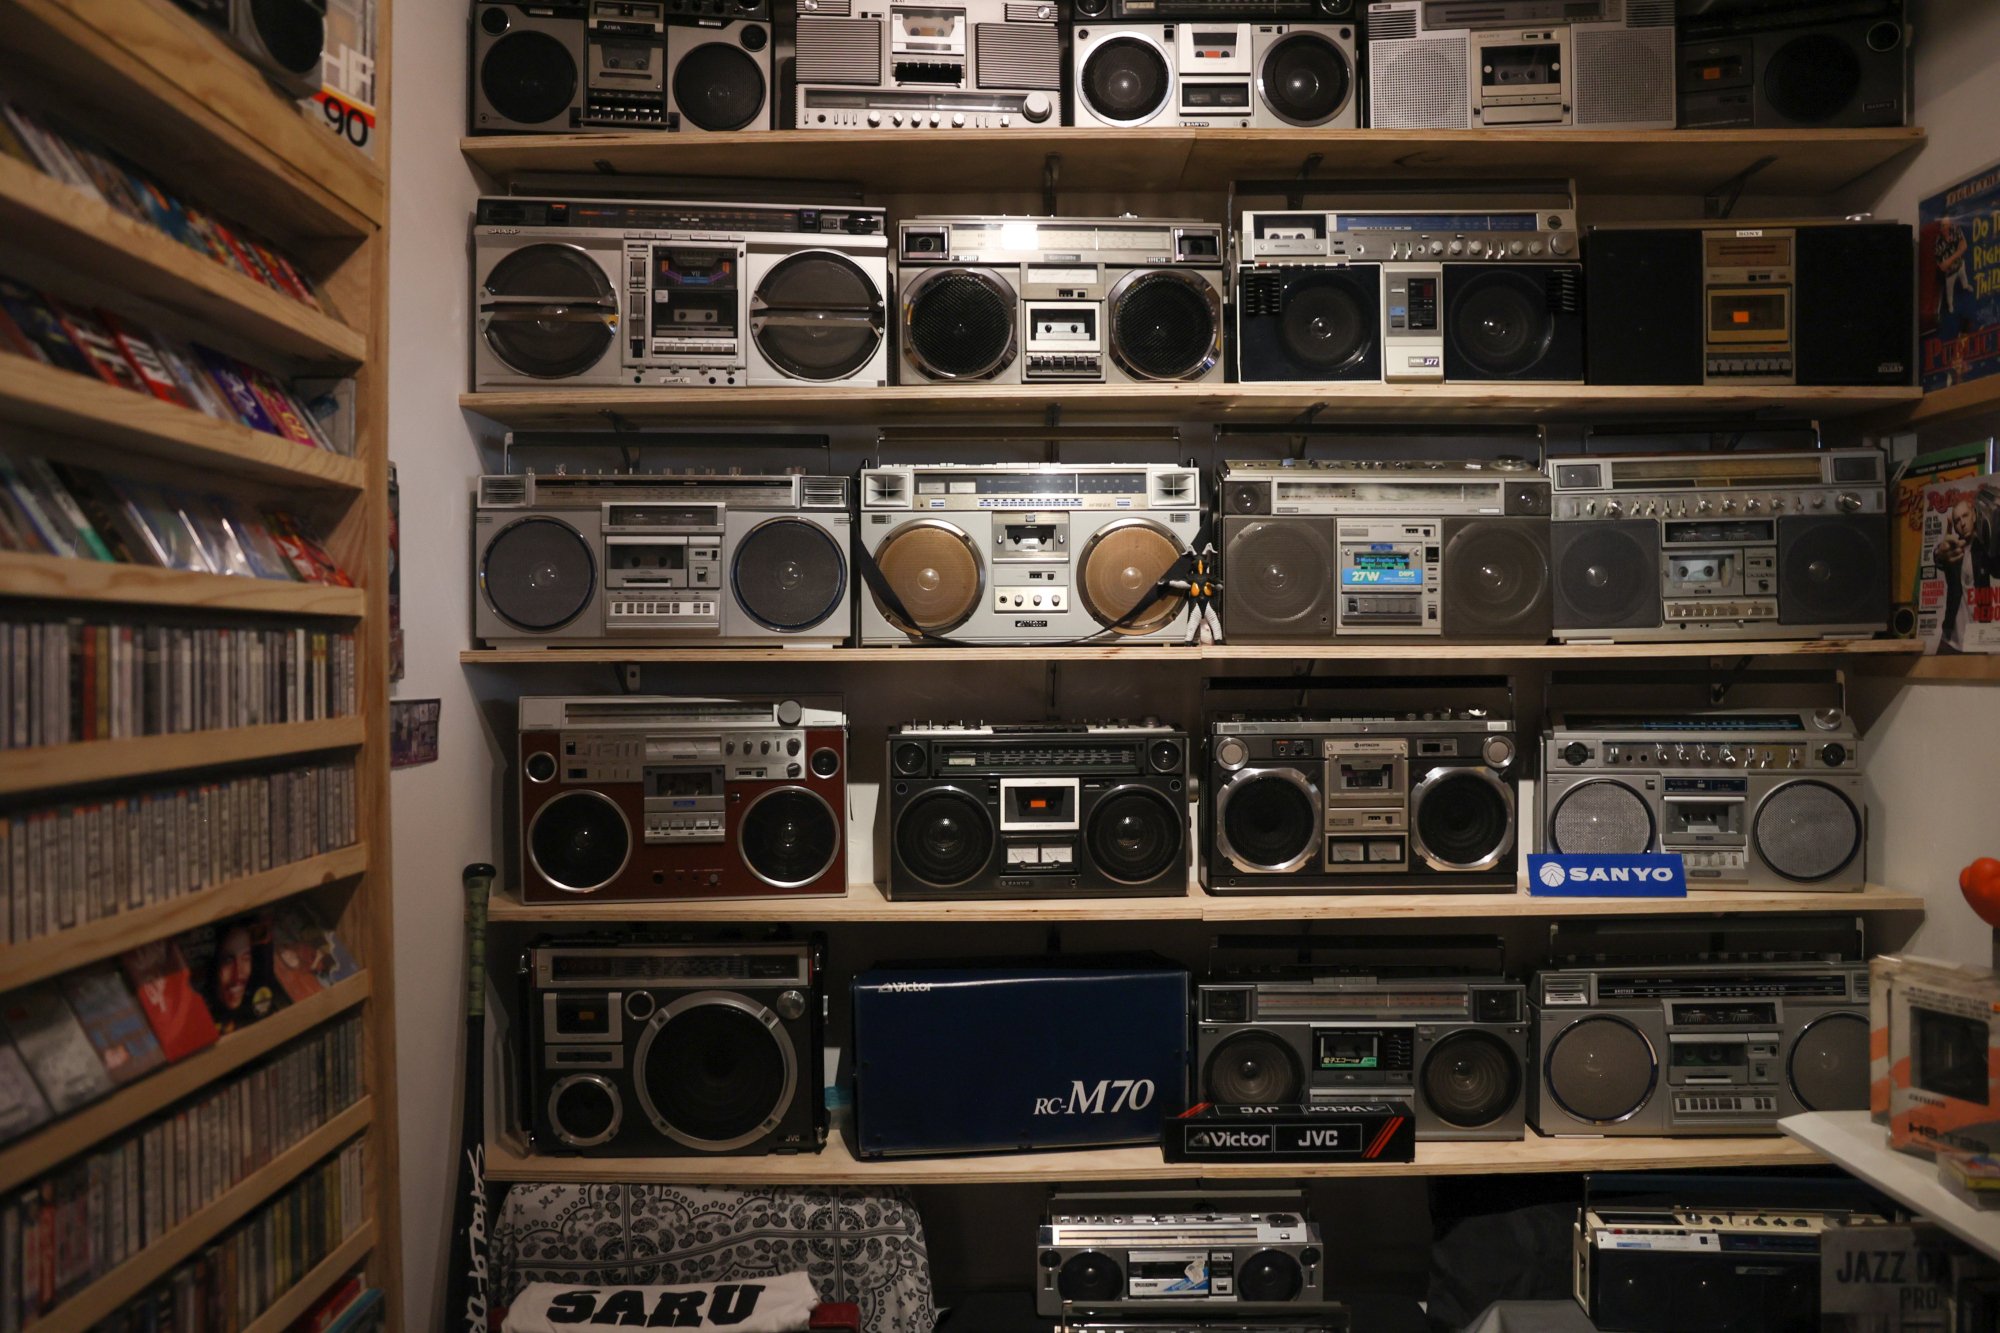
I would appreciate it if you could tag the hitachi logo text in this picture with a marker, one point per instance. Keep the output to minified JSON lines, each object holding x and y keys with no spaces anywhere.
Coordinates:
{"x":1112,"y":1096}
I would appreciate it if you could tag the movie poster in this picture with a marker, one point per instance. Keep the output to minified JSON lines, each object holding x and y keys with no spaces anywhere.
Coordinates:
{"x":1958,"y":599}
{"x":1958,"y":282}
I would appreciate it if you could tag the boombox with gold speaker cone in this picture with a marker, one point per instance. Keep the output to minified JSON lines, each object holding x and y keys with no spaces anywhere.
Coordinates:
{"x":999,"y":553}
{"x":1455,"y":551}
{"x":635,"y":799}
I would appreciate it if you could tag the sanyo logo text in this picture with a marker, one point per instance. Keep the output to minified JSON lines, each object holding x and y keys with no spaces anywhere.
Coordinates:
{"x":1621,"y":875}
{"x":1107,"y":1096}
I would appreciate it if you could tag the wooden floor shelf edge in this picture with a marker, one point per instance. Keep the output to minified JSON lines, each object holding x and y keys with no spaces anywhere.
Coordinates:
{"x":74,"y":1133}
{"x":104,"y":582}
{"x":53,"y":954}
{"x":45,"y":768}
{"x":104,"y":1296}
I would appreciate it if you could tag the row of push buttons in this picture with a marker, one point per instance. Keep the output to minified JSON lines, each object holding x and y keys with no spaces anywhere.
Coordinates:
{"x":1750,"y":365}
{"x":1698,"y":611}
{"x":684,"y":825}
{"x":662,"y":609}
{"x":1087,"y":365}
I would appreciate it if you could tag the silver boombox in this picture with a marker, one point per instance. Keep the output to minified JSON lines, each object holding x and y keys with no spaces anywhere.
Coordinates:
{"x":1060,"y":300}
{"x":653,"y":292}
{"x":1225,"y":1252}
{"x":966,"y":64}
{"x":1535,"y":64}
{"x":1190,"y":72}
{"x":666,"y":559}
{"x":1002,"y":553}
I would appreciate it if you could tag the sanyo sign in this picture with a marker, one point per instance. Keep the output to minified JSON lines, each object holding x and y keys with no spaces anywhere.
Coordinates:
{"x":1650,"y":875}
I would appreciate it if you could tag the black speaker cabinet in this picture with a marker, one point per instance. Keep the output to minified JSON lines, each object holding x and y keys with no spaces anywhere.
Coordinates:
{"x":1745,"y":64}
{"x":1642,"y":306}
{"x":1856,"y":294}
{"x":1513,"y":322}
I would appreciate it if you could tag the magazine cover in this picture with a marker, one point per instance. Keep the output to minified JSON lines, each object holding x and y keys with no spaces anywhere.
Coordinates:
{"x":1907,"y":495}
{"x":22,"y":1107}
{"x":231,"y":967}
{"x":1958,"y":282}
{"x":53,"y":1043}
{"x":111,"y":1019}
{"x":1958,"y":602}
{"x":179,"y":1017}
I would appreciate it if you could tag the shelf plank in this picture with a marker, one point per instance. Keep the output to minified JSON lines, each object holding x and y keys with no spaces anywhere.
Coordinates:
{"x":71,"y":579}
{"x":50,"y":766}
{"x":571,"y":409}
{"x":328,"y":1273}
{"x":121,"y":422}
{"x":1852,"y":1141}
{"x":132,"y":1277}
{"x":1218,"y":652}
{"x":865,"y":903}
{"x":153,"y":80}
{"x":64,"y":951}
{"x":1945,"y":407}
{"x":56,"y":221}
{"x":27,"y":1158}
{"x":836,"y":1165}
{"x":936,"y":161}
{"x":1968,"y":668}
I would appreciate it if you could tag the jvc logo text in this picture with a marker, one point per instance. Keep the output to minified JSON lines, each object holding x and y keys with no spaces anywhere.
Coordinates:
{"x":1112,"y":1096}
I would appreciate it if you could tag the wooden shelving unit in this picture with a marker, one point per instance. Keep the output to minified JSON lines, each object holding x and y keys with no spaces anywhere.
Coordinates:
{"x":150,"y":81}
{"x":866,"y":904}
{"x":1851,"y":1140}
{"x":1959,"y":404}
{"x":837,"y":1165}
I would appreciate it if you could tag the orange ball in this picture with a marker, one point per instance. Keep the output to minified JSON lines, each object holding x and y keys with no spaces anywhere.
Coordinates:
{"x":1980,"y":883}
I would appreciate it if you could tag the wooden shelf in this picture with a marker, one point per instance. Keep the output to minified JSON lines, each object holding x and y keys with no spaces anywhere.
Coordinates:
{"x":570,"y":409}
{"x":1945,"y":407}
{"x":836,"y":1165}
{"x":132,"y":1277}
{"x":988,"y":161}
{"x":1965,"y":668}
{"x":52,"y":955}
{"x":326,"y":1274}
{"x":1852,"y":1141}
{"x":154,"y":81}
{"x":73,"y":579}
{"x":56,"y":221}
{"x":26,"y":1158}
{"x":100,"y":761}
{"x":865,"y":903}
{"x":120,"y":423}
{"x":1215,"y":652}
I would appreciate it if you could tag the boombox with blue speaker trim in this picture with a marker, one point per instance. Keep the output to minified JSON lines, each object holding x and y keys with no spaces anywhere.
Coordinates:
{"x":1070,"y":1053}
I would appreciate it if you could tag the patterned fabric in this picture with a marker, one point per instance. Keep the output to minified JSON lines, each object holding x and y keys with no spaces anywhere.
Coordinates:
{"x":858,"y":1245}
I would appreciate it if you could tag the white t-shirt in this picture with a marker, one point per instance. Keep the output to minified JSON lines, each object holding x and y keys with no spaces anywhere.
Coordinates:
{"x":782,"y":1304}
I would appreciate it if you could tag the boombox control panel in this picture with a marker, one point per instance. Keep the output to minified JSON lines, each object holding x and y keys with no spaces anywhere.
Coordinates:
{"x":1830,"y":755}
{"x":1719,"y":505}
{"x":775,"y":754}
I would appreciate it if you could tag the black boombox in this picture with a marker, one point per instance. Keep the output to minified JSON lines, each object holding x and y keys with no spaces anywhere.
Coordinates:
{"x":1779,"y":64}
{"x":1037,"y":811}
{"x":675,"y":1050}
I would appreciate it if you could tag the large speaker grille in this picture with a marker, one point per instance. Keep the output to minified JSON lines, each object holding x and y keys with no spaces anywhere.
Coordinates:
{"x":1125,"y":80}
{"x":1329,"y":320}
{"x":790,"y":837}
{"x":1607,"y":575}
{"x":1091,"y":1276}
{"x":1464,"y":820}
{"x":579,"y":841}
{"x":1270,"y":820}
{"x":1601,"y":816}
{"x":1252,"y":1068}
{"x":1624,"y":77}
{"x":1119,"y":566}
{"x":1419,"y":85}
{"x":538,"y":573}
{"x":718,"y":86}
{"x":715,"y":1074}
{"x":839,"y":50}
{"x":1280,"y":577}
{"x":1017,"y":55}
{"x":1471,"y":1079}
{"x":1644,"y":319}
{"x":549,"y":311}
{"x":789,"y":574}
{"x":1305,"y":79}
{"x":960,"y":325}
{"x":1812,"y":78}
{"x":818,"y":316}
{"x":1269,"y":1275}
{"x":944,"y":837}
{"x":1496,"y":579}
{"x":1165,"y":325}
{"x":1506,"y":322}
{"x":292,"y":31}
{"x":1828,"y":1065}
{"x":1806,"y":831}
{"x":1856,"y":292}
{"x":932,"y":567}
{"x":528,"y":77}
{"x":1136,"y":834}
{"x":1833,"y":571}
{"x":1601,"y":1070}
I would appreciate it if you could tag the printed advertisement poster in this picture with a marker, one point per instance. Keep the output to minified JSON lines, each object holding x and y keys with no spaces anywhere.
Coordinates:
{"x":1958,"y":282}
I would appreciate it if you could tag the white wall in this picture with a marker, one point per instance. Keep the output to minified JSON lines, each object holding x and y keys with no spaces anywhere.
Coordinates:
{"x":441,"y":811}
{"x":1934,"y":751}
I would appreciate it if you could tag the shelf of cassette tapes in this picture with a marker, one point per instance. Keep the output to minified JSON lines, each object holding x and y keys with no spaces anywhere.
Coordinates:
{"x":921,"y":161}
{"x":836,"y":1164}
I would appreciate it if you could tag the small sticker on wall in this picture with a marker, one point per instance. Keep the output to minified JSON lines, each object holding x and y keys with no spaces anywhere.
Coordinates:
{"x":413,"y":732}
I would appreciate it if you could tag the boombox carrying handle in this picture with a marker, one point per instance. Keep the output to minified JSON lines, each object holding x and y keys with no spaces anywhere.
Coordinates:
{"x":1312,"y":951}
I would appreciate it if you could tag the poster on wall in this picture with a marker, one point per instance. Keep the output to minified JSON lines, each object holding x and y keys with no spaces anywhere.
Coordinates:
{"x":1958,"y":282}
{"x":413,"y":732}
{"x":1958,"y":598}
{"x":345,"y":103}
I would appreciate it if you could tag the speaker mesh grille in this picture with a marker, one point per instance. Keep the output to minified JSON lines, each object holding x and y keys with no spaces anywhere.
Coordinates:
{"x":1624,"y":77}
{"x":1829,"y":1064}
{"x":1600,"y":1070}
{"x":539,"y":574}
{"x":1607,"y":575}
{"x":1329,"y":320}
{"x":789,"y":574}
{"x":1806,"y":831}
{"x":961,"y":325}
{"x":1017,"y":55}
{"x":1251,"y":1068}
{"x":839,"y":50}
{"x":1163,"y":325}
{"x":1602,"y":816}
{"x":528,"y":77}
{"x":718,"y":87}
{"x":1496,"y":579}
{"x":1471,"y":1079}
{"x":1280,"y":577}
{"x":1833,"y":571}
{"x":1419,"y":85}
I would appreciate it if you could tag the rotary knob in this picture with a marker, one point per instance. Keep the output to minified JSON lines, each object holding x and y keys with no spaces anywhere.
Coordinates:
{"x":1498,"y":751}
{"x":1704,"y":754}
{"x":1753,"y":505}
{"x":1437,"y":247}
{"x":1458,"y":247}
{"x":1558,"y":244}
{"x":1728,"y":756}
{"x":1515,"y":247}
{"x":1701,"y":506}
{"x":789,"y":713}
{"x":958,"y":120}
{"x":1612,"y":509}
{"x":874,"y":118}
{"x":1231,"y":752}
{"x":1576,"y":754}
{"x":1849,"y":502}
{"x":1729,"y":506}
